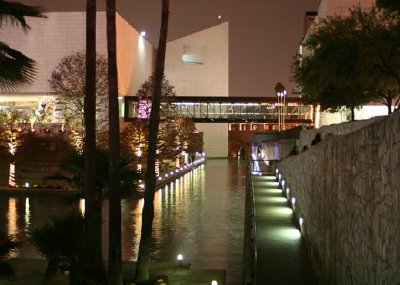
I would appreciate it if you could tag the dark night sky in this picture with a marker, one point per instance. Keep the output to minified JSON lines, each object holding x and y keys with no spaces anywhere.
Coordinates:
{"x":264,"y":34}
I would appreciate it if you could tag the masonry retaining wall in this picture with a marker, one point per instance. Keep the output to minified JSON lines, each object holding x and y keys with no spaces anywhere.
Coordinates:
{"x":347,"y":190}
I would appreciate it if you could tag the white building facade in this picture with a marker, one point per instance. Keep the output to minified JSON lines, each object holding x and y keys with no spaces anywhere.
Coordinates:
{"x":62,"y":34}
{"x":198,"y":66}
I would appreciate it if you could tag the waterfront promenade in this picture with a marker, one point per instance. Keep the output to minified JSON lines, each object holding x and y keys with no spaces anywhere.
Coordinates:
{"x":281,"y":256}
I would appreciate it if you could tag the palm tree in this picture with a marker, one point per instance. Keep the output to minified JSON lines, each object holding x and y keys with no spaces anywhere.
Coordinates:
{"x":16,"y":69}
{"x":114,"y":251}
{"x":8,"y":243}
{"x":94,"y":257}
{"x":50,"y":241}
{"x":143,"y":263}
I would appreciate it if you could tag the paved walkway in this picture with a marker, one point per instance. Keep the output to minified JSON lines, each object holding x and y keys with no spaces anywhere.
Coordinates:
{"x":281,"y":253}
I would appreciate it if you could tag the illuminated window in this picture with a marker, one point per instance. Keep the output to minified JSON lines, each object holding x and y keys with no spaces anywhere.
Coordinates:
{"x":193,"y":54}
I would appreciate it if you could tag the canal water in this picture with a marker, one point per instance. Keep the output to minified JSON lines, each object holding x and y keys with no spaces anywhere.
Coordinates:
{"x":200,"y":215}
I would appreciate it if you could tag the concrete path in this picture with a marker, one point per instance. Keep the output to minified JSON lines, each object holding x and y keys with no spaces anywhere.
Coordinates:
{"x":281,"y":254}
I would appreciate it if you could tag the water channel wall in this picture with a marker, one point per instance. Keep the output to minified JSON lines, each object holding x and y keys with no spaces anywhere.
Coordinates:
{"x":347,"y":190}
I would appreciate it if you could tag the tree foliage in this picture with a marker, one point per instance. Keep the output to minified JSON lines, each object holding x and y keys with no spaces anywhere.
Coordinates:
{"x":393,"y":5}
{"x":168,"y":96}
{"x":351,"y":60}
{"x":68,"y":82}
{"x":8,"y":243}
{"x":16,"y":69}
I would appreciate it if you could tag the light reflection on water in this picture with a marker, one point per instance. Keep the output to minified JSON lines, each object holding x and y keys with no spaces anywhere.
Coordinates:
{"x":199,"y":216}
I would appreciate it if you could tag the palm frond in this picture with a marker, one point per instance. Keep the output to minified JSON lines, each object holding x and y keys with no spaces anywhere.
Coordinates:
{"x":16,"y":69}
{"x":7,"y":271}
{"x":14,"y":13}
{"x":8,"y":243}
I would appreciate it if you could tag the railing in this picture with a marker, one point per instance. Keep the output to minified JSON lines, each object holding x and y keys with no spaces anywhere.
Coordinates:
{"x":250,"y":245}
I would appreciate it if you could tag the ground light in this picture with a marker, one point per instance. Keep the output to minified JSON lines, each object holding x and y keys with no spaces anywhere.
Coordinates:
{"x":180,"y":260}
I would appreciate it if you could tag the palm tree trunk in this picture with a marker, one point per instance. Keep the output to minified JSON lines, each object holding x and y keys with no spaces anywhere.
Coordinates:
{"x":93,"y":262}
{"x":143,"y":263}
{"x":114,"y":251}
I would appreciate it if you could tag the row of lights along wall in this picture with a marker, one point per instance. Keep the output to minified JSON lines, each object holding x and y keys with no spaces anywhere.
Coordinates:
{"x":288,"y":193}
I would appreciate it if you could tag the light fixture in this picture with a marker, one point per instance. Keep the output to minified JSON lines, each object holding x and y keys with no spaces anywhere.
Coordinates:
{"x":180,"y":260}
{"x":143,"y":33}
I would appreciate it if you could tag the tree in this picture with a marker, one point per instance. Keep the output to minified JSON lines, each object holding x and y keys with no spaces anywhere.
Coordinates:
{"x":68,"y":82}
{"x":16,"y":69}
{"x":168,"y":95}
{"x":8,"y":243}
{"x":143,"y":262}
{"x":389,"y":4}
{"x":93,"y":263}
{"x":331,"y":73}
{"x":11,"y":137}
{"x":379,"y":36}
{"x":114,"y":251}
{"x":50,"y":239}
{"x":352,"y":60}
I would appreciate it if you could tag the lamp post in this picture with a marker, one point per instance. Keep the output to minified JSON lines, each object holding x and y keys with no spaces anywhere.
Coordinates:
{"x":281,"y":93}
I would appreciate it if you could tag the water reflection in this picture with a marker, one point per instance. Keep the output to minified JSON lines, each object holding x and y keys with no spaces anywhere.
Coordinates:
{"x":199,"y":215}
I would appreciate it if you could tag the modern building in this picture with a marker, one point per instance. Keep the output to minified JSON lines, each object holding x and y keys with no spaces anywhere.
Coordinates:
{"x":62,"y":34}
{"x":198,"y":66}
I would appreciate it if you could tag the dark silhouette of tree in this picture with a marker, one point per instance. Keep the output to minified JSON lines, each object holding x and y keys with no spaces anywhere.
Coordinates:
{"x":114,"y":245}
{"x":93,"y":256}
{"x":389,"y":4}
{"x":8,"y":243}
{"x":352,"y":60}
{"x":50,"y":241}
{"x":16,"y":69}
{"x":143,"y":262}
{"x":279,"y":88}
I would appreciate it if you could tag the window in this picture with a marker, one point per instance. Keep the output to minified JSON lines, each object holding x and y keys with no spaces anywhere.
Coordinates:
{"x":193,"y":54}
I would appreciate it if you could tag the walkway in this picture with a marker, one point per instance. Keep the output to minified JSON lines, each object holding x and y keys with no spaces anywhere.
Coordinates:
{"x":281,"y":253}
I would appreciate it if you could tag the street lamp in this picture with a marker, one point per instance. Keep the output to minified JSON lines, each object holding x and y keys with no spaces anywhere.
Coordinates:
{"x":281,"y":93}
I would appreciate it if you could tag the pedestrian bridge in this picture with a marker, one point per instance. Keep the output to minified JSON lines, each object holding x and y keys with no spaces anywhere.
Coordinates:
{"x":230,"y":109}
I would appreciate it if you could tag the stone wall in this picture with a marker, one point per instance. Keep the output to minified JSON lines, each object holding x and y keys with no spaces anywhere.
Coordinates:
{"x":347,"y":190}
{"x":306,"y":136}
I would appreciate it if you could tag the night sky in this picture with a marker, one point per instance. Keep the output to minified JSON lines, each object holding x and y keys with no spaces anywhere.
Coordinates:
{"x":264,"y":34}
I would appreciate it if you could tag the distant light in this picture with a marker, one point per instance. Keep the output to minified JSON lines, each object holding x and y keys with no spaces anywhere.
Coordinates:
{"x":283,"y":183}
{"x":219,"y":17}
{"x":301,"y":221}
{"x":26,"y":184}
{"x":293,"y":200}
{"x":179,"y":257}
{"x":214,"y":282}
{"x":143,"y":33}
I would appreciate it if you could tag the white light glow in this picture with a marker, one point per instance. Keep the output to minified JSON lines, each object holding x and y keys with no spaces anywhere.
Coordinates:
{"x":293,"y":200}
{"x":301,"y":221}
{"x":179,"y":257}
{"x":214,"y":282}
{"x":143,"y":33}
